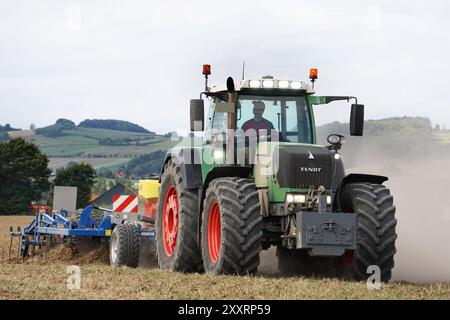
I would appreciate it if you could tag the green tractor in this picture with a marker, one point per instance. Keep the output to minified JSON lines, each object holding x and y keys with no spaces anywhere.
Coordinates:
{"x":257,"y":178}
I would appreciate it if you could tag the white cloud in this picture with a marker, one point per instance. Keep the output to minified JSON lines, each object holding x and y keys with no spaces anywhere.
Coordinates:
{"x":141,"y":61}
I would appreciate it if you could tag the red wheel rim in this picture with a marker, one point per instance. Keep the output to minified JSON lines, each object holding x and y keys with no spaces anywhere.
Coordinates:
{"x":170,"y":221}
{"x":214,"y":232}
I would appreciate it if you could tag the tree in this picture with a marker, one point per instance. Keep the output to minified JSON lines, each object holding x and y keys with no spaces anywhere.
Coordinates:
{"x":80,"y":175}
{"x":23,"y":175}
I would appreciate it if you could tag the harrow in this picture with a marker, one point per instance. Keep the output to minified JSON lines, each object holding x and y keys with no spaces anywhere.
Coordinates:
{"x":125,"y":232}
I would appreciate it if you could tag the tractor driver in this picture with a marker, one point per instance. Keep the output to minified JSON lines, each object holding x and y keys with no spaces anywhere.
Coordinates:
{"x":258,"y":122}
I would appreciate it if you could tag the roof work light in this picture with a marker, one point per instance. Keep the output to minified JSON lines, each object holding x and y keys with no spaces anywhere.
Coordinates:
{"x":206,"y":69}
{"x":313,"y":74}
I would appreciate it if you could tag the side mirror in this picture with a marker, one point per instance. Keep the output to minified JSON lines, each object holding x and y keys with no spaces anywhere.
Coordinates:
{"x":357,"y":120}
{"x":197,"y":114}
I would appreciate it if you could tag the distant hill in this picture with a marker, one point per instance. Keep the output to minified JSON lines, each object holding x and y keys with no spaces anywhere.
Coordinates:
{"x":3,"y":136}
{"x":109,"y":149}
{"x":393,"y":138}
{"x":139,"y":154}
{"x":397,"y":126}
{"x":4,"y":131}
{"x":56,"y":129}
{"x":110,"y":124}
{"x":146,"y":165}
{"x":7,"y":127}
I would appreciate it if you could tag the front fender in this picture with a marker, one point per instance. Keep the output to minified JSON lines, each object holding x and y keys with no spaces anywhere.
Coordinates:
{"x":354,"y":178}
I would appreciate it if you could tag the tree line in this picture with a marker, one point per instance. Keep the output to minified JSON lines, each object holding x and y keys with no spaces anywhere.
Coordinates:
{"x":25,"y":176}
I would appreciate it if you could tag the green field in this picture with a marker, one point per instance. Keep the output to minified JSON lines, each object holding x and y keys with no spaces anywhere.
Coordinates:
{"x":83,"y":144}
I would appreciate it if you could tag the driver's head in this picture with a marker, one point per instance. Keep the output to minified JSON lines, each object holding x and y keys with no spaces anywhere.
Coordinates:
{"x":258,"y":109}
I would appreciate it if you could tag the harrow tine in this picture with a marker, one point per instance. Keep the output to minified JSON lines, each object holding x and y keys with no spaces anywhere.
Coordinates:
{"x":10,"y":244}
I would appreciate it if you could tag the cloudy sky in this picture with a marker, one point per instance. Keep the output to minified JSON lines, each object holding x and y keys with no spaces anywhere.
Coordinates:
{"x":141,"y":60}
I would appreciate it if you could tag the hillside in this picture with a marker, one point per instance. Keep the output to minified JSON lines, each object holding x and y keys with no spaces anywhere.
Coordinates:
{"x":55,"y":130}
{"x":391,"y":138}
{"x":64,"y":142}
{"x":105,"y":149}
{"x":118,"y":125}
{"x":4,"y":131}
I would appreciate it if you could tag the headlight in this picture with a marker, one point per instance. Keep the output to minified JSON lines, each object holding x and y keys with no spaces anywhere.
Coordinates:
{"x":337,"y":156}
{"x":290,"y":198}
{"x":218,"y":155}
{"x":267,"y":83}
{"x":300,"y":198}
{"x":328,"y":200}
{"x":296,"y":198}
{"x":283,"y":84}
{"x":255,"y":83}
{"x":296,"y":85}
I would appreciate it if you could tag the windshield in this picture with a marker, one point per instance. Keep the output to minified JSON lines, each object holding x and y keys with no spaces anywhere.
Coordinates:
{"x":289,"y":115}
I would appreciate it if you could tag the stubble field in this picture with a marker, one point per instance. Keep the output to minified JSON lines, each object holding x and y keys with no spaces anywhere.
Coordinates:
{"x":45,"y":278}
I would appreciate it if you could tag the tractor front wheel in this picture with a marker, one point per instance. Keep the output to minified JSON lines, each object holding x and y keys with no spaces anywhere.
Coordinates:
{"x":375,"y":234}
{"x":231,"y":227}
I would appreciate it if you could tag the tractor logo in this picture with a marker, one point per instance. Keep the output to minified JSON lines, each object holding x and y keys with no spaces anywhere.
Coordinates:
{"x":311,"y":157}
{"x":306,"y":169}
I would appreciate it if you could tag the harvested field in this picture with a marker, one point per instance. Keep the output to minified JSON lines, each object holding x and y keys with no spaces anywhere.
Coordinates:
{"x":30,"y":280}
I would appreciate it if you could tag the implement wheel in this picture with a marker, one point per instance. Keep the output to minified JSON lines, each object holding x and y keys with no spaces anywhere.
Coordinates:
{"x":231,"y":227}
{"x":124,"y":246}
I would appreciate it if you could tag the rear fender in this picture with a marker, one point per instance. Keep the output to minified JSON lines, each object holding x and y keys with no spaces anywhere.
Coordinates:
{"x":189,"y":161}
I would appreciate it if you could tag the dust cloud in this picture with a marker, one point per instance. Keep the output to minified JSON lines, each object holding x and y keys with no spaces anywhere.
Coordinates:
{"x":421,"y":191}
{"x":420,"y":185}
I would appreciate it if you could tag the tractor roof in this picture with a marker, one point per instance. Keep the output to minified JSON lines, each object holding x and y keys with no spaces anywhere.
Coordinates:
{"x":266,"y":83}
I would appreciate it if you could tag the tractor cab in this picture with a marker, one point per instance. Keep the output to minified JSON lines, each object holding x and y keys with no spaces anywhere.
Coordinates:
{"x":278,"y":109}
{"x":278,"y":114}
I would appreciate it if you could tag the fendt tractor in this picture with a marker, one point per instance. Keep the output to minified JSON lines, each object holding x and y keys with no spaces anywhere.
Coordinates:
{"x":257,"y":178}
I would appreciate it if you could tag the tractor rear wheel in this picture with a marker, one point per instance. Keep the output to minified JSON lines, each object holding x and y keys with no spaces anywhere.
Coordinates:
{"x":124,"y":246}
{"x":231,"y":227}
{"x":375,"y":234}
{"x":177,"y":223}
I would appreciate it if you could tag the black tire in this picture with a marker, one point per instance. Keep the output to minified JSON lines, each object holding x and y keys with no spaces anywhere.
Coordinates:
{"x":375,"y":234}
{"x":183,"y":254}
{"x":124,"y":246}
{"x":299,"y":262}
{"x":240,"y":227}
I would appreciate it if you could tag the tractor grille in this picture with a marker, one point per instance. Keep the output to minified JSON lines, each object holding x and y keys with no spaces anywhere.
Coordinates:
{"x":297,"y":169}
